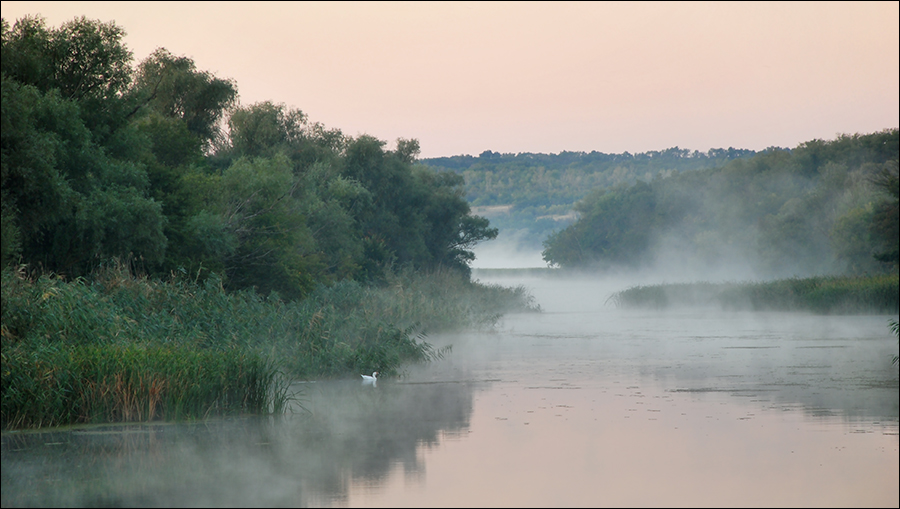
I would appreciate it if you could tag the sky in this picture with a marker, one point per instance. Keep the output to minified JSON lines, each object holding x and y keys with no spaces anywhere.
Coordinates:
{"x":540,"y":77}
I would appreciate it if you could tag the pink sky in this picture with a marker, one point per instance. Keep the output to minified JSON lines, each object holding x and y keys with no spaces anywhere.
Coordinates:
{"x":540,"y":77}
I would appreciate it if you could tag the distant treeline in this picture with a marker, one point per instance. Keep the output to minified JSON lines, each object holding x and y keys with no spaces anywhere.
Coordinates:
{"x":825,"y":207}
{"x":543,"y":188}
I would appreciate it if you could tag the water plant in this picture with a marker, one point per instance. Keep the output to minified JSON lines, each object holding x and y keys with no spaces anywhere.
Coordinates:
{"x":118,"y":347}
{"x":50,"y":384}
{"x":895,"y":328}
{"x":821,"y":294}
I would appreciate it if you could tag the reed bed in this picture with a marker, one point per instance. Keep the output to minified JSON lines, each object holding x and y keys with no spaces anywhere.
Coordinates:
{"x":118,"y":348}
{"x":823,"y":294}
{"x":446,"y":300}
{"x":53,"y":384}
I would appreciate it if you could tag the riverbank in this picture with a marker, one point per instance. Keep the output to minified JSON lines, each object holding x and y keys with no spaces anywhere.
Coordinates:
{"x":121,"y":348}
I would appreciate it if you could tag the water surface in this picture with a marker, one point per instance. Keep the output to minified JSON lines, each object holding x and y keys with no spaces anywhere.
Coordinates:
{"x":580,"y":405}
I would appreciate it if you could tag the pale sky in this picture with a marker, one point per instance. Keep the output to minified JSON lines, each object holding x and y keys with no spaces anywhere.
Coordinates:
{"x":514,"y":77}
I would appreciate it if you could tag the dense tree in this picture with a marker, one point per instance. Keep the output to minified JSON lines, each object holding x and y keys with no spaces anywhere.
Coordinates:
{"x":885,"y":225}
{"x":73,"y":202}
{"x":825,"y":207}
{"x":174,"y":88}
{"x":416,"y":217}
{"x":614,"y":228}
{"x":267,"y":128}
{"x":179,"y":112}
{"x":538,"y":191}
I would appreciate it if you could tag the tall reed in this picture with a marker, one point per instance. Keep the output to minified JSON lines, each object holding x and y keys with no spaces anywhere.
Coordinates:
{"x":50,"y":384}
{"x":117,"y":347}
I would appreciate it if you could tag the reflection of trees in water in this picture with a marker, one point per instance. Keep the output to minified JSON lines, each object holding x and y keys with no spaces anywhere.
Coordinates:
{"x":362,"y":432}
{"x":352,"y":432}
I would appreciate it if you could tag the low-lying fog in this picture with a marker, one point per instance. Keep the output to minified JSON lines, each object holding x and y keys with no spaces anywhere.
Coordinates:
{"x":581,"y":404}
{"x":673,"y":264}
{"x":507,"y":252}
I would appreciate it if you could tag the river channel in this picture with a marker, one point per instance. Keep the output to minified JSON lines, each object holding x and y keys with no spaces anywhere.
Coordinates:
{"x":581,"y":404}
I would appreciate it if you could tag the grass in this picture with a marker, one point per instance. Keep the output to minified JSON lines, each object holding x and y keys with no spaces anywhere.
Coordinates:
{"x":120,"y":348}
{"x":53,"y":384}
{"x":823,"y":295}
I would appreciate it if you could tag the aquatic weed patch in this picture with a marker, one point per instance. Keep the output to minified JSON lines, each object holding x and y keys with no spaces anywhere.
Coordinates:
{"x":824,"y":295}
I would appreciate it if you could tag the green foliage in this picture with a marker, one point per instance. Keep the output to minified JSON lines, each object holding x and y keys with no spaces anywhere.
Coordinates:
{"x":817,"y":209}
{"x":266,"y":128}
{"x":416,"y":217}
{"x":118,"y":347}
{"x":174,"y":88}
{"x":82,"y":58}
{"x":63,"y":99}
{"x":51,"y":384}
{"x":885,"y":225}
{"x":615,"y":226}
{"x":10,"y":240}
{"x":537,"y":192}
{"x":108,"y":170}
{"x":268,"y":228}
{"x":138,"y":168}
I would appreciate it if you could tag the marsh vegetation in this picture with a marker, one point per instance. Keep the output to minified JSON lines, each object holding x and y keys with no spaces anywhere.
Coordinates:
{"x":120,"y":348}
{"x":823,"y":295}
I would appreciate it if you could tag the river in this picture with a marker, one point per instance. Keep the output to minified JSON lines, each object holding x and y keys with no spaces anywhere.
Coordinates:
{"x":581,"y":404}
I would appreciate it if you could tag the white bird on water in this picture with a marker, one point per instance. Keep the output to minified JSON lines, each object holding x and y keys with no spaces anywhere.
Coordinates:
{"x":370,"y":379}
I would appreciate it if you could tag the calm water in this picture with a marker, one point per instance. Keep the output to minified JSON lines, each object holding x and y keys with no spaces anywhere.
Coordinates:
{"x":580,"y":405}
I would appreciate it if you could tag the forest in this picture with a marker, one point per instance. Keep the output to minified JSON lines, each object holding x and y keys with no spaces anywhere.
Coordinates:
{"x":822,"y":208}
{"x":531,"y":195}
{"x":162,"y":166}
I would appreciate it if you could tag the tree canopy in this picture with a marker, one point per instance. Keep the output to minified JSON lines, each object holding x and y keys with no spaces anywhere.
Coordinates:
{"x":534,"y":194}
{"x":824,"y":207}
{"x":159,"y":164}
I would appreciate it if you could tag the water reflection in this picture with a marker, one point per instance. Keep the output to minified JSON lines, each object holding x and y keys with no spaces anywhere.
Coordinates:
{"x":308,"y":458}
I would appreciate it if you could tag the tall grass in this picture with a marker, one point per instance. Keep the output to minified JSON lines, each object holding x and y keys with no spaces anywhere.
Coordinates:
{"x":824,"y":295}
{"x":117,"y":347}
{"x":446,"y":300}
{"x":50,"y":384}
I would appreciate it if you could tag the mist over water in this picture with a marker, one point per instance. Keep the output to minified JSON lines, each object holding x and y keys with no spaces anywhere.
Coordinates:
{"x":507,"y":252}
{"x":672,"y":262}
{"x":582,"y":404}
